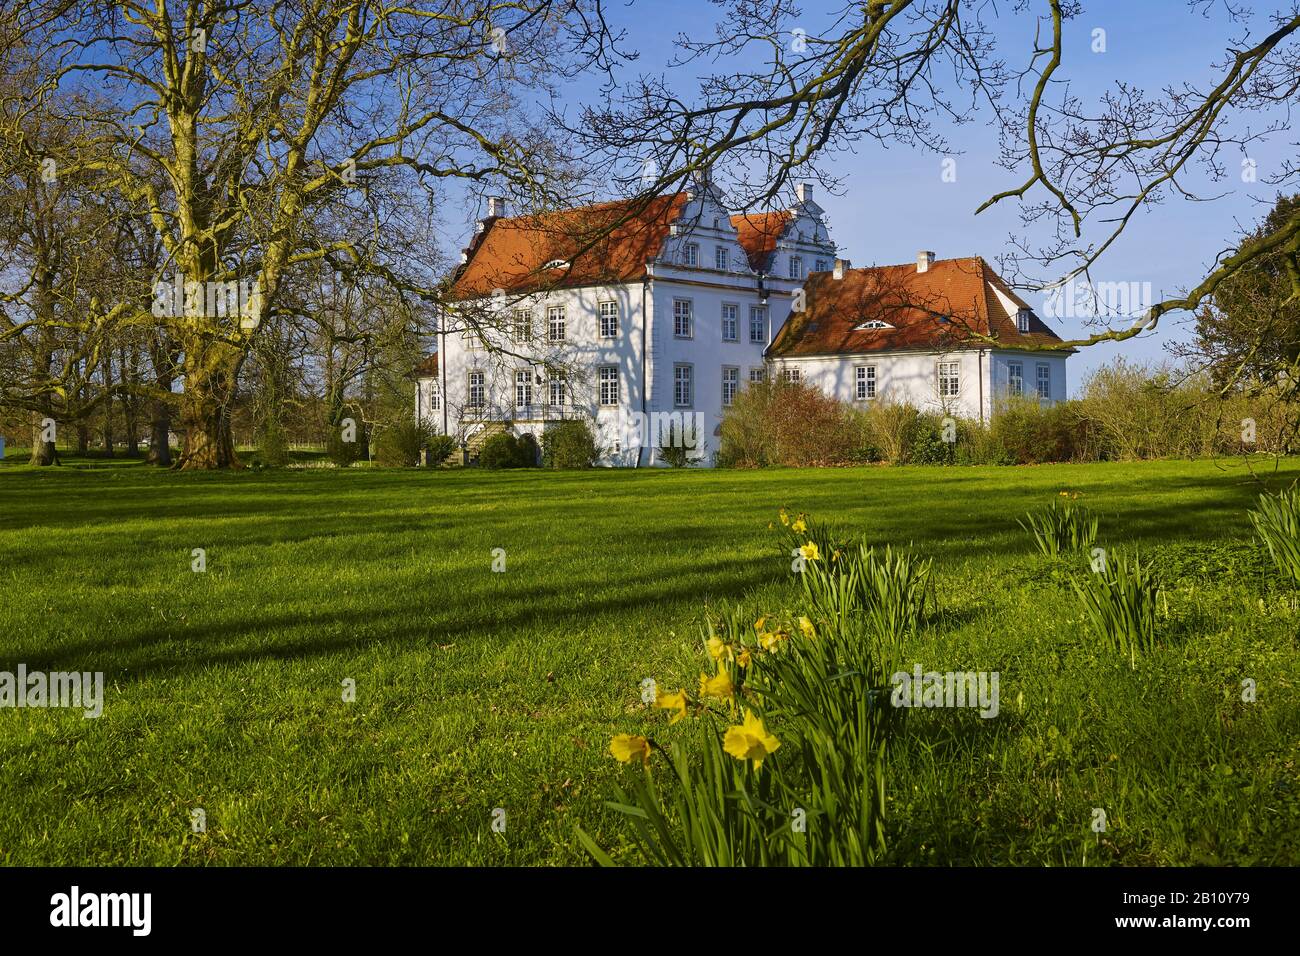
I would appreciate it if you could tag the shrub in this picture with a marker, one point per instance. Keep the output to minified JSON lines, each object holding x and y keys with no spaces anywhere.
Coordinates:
{"x":569,"y":444}
{"x":1119,"y":603}
{"x":1033,"y":433}
{"x":399,"y":445}
{"x":1062,"y":526}
{"x":1277,"y":525}
{"x":891,"y":425}
{"x":789,"y":423}
{"x":344,"y":453}
{"x":440,"y":448}
{"x":272,"y":445}
{"x":504,"y":450}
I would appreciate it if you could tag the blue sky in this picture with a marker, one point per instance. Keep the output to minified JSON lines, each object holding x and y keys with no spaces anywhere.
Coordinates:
{"x":895,"y":202}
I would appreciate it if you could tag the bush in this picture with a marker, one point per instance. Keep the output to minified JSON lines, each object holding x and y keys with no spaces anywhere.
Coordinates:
{"x":891,"y":426}
{"x":570,"y":444}
{"x":399,"y":445}
{"x":344,"y":453}
{"x":789,"y":423}
{"x":272,"y":445}
{"x":504,"y":450}
{"x":440,"y":448}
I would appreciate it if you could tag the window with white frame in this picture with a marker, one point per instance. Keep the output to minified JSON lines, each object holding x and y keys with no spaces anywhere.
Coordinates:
{"x":819,"y":265}
{"x":758,"y":374}
{"x":1015,"y":378}
{"x":555,"y":323}
{"x":796,"y":267}
{"x":949,"y":379}
{"x":523,"y":327}
{"x":730,"y":384}
{"x":691,"y":254}
{"x":757,"y":323}
{"x":866,"y":382}
{"x":682,"y":381}
{"x":558,"y":388}
{"x":1044,"y":380}
{"x":721,"y":260}
{"x":1022,"y":320}
{"x":477,"y":393}
{"x":609,"y":320}
{"x":435,"y":397}
{"x":790,"y":375}
{"x":523,"y":388}
{"x":729,"y":332}
{"x":609,"y":385}
{"x":682,"y":318}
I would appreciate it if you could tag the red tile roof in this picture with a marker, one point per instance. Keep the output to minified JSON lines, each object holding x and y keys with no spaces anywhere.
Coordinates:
{"x":428,"y":368}
{"x":758,"y":234}
{"x":514,"y":253}
{"x":951,"y":305}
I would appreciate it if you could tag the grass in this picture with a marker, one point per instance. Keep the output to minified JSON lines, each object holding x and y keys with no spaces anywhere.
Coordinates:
{"x":479,"y":690}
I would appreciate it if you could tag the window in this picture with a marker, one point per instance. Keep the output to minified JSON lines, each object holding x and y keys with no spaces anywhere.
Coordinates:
{"x":866,"y":382}
{"x":819,"y":265}
{"x":609,"y":320}
{"x":476,"y":392}
{"x":682,"y":318}
{"x":796,"y":267}
{"x":730,"y":383}
{"x":558,"y":388}
{"x":790,"y":375}
{"x":1022,"y":320}
{"x":682,"y":385}
{"x":758,"y":375}
{"x":523,"y":329}
{"x":728,"y":322}
{"x":1015,"y":378}
{"x":1044,"y":380}
{"x":523,"y":388}
{"x":435,"y":397}
{"x":757,"y":323}
{"x":691,"y":254}
{"x":871,"y":324}
{"x":608,"y":385}
{"x":555,"y":323}
{"x":949,"y":379}
{"x":720,"y":258}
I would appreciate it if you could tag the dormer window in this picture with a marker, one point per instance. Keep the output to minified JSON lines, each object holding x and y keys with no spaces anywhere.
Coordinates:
{"x":1022,"y":320}
{"x":871,"y":324}
{"x":556,"y":264}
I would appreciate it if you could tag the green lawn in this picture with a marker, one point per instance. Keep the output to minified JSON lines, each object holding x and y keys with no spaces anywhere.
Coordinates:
{"x":478,"y":690}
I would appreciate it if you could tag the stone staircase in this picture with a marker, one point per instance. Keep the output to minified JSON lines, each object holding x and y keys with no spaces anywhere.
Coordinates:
{"x":469,"y":454}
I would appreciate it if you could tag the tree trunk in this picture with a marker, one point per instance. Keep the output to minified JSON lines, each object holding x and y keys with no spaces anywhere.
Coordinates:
{"x":160,"y":427}
{"x":43,"y":452}
{"x":206,"y":404}
{"x":128,"y":367}
{"x":108,"y":405}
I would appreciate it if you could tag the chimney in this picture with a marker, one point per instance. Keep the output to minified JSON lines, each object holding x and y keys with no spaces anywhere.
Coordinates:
{"x":841,"y":267}
{"x":924,"y":260}
{"x":804,"y":192}
{"x":496,"y":206}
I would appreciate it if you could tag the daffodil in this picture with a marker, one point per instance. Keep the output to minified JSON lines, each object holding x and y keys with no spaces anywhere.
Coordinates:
{"x":799,"y":526}
{"x":675,"y":702}
{"x":629,"y":747}
{"x":810,"y":552}
{"x":785,"y":518}
{"x":744,"y":658}
{"x":806,"y":626}
{"x":718,"y":685}
{"x":750,"y":740}
{"x":771,"y":641}
{"x":760,"y":623}
{"x":718,"y":649}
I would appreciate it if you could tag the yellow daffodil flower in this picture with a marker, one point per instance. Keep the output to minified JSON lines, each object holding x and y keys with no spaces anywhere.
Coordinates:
{"x":676,"y":702}
{"x":744,"y":658}
{"x":750,"y":740}
{"x":806,"y":626}
{"x":718,"y":649}
{"x":810,"y":552}
{"x":770,"y":642}
{"x":629,"y":747}
{"x":760,"y":623}
{"x":717,"y":686}
{"x":785,"y":518}
{"x":799,"y":526}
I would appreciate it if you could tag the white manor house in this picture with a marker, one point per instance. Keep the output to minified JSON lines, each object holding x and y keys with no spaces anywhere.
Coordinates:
{"x":647,"y":316}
